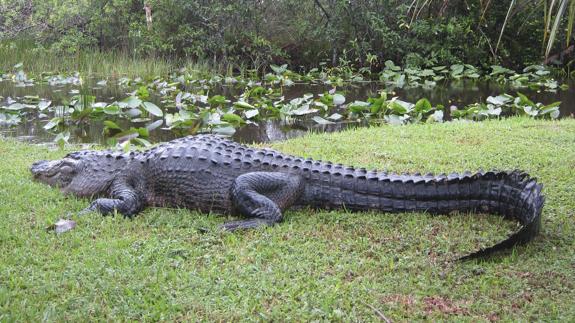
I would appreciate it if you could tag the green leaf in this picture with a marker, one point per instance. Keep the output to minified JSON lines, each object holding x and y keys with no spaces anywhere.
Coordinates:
{"x":112,"y":109}
{"x":552,"y":105}
{"x":423,"y":106}
{"x":335,"y":116}
{"x":155,"y":125}
{"x":152,"y":108}
{"x":390,"y":65}
{"x":395,"y":120}
{"x":400,"y":107}
{"x":456,"y":69}
{"x":303,"y":109}
{"x":499,"y":100}
{"x":217,"y":100}
{"x":338,"y":99}
{"x":127,"y":135}
{"x":111,"y":125}
{"x":251,"y":113}
{"x":143,"y":93}
{"x":278,"y":69}
{"x":496,"y":70}
{"x":142,"y":142}
{"x":321,"y":120}
{"x":226,"y":131}
{"x":132,"y":101}
{"x":359,"y":106}
{"x":62,"y":138}
{"x":15,"y":107}
{"x":232,"y":118}
{"x":52,"y":123}
{"x":243,"y":105}
{"x":523,"y":100}
{"x":142,"y":132}
{"x":437,"y":116}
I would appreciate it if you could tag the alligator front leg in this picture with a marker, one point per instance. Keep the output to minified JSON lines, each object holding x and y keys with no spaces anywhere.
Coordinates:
{"x":262,"y":197}
{"x":124,"y":199}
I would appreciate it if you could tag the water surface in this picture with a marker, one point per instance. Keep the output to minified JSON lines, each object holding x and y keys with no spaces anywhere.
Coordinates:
{"x":454,"y":93}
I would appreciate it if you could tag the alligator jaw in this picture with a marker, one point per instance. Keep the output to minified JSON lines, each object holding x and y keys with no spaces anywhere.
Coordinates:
{"x":44,"y":169}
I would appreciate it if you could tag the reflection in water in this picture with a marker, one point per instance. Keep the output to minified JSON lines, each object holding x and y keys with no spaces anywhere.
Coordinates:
{"x":275,"y":130}
{"x":454,"y":93}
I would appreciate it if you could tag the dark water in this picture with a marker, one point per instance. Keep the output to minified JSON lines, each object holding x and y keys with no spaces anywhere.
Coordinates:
{"x":458,"y":94}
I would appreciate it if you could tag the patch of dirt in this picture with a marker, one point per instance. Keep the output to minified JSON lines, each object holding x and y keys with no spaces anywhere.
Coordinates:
{"x":404,"y":301}
{"x":471,"y":141}
{"x":493,"y":317}
{"x":444,"y":306}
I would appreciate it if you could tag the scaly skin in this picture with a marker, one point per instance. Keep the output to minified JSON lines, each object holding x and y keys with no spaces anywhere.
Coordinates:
{"x":212,"y":174}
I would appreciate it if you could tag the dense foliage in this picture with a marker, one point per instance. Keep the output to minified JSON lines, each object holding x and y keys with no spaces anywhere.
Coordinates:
{"x":254,"y":33}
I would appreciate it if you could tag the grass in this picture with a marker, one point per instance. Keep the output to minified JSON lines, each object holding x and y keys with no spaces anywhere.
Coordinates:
{"x":314,"y":266}
{"x":37,"y":60}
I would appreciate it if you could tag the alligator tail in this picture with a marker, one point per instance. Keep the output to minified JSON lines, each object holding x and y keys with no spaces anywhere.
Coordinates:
{"x":513,"y":195}
{"x":525,"y":205}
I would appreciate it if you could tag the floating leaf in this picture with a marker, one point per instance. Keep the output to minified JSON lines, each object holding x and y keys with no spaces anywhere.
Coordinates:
{"x":499,"y":100}
{"x":217,"y":100}
{"x":52,"y":123}
{"x":278,"y":69}
{"x":153,"y":109}
{"x":15,"y":107}
{"x":243,"y":105}
{"x":132,"y":113}
{"x":251,"y":113}
{"x":154,"y":125}
{"x":111,"y":125}
{"x":132,"y":101}
{"x":532,"y":111}
{"x":335,"y":116}
{"x":112,"y":109}
{"x":395,"y":120}
{"x":140,"y":120}
{"x":321,"y":120}
{"x":304,"y":109}
{"x":338,"y":99}
{"x":142,"y":142}
{"x":358,"y":106}
{"x":437,"y":116}
{"x":226,"y":131}
{"x":232,"y":118}
{"x":99,"y":105}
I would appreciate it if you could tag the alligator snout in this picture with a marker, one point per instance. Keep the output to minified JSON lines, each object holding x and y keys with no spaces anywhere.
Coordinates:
{"x":42,"y":167}
{"x":38,"y":167}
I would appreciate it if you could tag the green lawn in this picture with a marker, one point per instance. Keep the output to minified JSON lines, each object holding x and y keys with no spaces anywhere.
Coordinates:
{"x":315,"y":265}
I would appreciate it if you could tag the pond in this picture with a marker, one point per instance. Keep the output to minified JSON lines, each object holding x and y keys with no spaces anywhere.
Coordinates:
{"x":445,"y":97}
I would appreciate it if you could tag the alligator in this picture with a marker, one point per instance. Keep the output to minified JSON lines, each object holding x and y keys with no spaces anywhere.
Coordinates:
{"x":210,"y":173}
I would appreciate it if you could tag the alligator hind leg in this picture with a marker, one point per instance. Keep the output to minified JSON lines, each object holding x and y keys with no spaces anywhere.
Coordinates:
{"x":263,"y":196}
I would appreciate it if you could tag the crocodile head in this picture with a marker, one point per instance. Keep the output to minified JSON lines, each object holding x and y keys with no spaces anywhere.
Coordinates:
{"x":77,"y":173}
